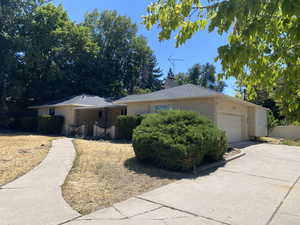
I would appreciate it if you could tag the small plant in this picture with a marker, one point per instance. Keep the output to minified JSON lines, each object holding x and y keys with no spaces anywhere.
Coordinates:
{"x":178,"y":140}
{"x":291,"y":142}
{"x":296,"y":123}
{"x":126,"y":125}
{"x":272,"y":122}
{"x":50,"y":124}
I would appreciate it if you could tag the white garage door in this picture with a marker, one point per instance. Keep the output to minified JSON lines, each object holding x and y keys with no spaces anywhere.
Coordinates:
{"x":232,"y":124}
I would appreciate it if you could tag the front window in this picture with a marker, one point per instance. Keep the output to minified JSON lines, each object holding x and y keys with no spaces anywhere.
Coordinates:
{"x":162,"y":108}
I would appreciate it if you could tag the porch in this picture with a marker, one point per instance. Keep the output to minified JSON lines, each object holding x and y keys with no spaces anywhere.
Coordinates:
{"x":96,"y":121}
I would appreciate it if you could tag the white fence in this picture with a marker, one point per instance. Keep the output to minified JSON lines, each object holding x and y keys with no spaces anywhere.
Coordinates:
{"x":100,"y":132}
{"x":288,"y":132}
{"x":78,"y":131}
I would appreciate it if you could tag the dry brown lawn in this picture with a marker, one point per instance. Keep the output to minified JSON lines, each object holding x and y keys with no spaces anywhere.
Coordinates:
{"x":282,"y":141}
{"x":105,"y":173}
{"x":270,"y":140}
{"x":19,"y":153}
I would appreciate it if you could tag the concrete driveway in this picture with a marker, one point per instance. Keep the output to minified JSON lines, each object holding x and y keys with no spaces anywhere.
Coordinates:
{"x":261,"y":188}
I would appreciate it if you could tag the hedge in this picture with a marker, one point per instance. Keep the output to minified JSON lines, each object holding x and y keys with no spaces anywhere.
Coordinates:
{"x":29,"y":123}
{"x":50,"y":124}
{"x":126,"y":124}
{"x":7,"y":121}
{"x":178,"y":140}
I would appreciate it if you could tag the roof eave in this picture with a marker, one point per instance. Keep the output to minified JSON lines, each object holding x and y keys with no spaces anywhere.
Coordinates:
{"x":56,"y":106}
{"x":244,"y":102}
{"x":196,"y":97}
{"x":100,"y":107}
{"x":163,"y":99}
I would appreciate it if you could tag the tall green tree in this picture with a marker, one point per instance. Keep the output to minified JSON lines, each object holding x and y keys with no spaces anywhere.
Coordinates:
{"x":48,"y":54}
{"x":150,"y":78}
{"x":124,"y":60}
{"x":263,"y":98}
{"x":263,"y":44}
{"x":182,"y":78}
{"x":194,"y":74}
{"x":13,"y":15}
{"x":45,"y":56}
{"x":203,"y":75}
{"x":54,"y":54}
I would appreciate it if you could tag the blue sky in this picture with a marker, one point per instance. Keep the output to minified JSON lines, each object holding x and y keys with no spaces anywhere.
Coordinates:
{"x":202,"y":48}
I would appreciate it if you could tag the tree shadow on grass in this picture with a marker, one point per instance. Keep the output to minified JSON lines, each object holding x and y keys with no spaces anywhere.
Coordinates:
{"x":11,"y":133}
{"x":5,"y":133}
{"x":138,"y":167}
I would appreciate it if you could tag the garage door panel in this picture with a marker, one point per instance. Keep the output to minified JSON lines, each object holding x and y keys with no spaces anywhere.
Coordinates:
{"x":232,"y":125}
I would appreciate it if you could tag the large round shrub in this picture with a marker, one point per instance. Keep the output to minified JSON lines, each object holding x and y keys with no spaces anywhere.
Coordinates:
{"x":178,"y":140}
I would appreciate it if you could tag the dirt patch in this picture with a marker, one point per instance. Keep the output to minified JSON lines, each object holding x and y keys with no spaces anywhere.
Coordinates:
{"x":270,"y":140}
{"x":280,"y":141}
{"x":19,"y":153}
{"x":105,"y":173}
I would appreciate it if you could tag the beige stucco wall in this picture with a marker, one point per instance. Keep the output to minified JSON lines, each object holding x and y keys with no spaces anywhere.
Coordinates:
{"x":232,"y":108}
{"x":261,"y":123}
{"x":210,"y":107}
{"x":85,"y":116}
{"x":251,"y":121}
{"x":203,"y":106}
{"x":288,"y":132}
{"x":138,"y":108}
{"x":257,"y":122}
{"x":66,"y":111}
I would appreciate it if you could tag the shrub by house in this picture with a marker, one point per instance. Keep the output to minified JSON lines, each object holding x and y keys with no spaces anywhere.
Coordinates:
{"x":126,"y":125}
{"x":50,"y":124}
{"x":29,"y":123}
{"x":178,"y":140}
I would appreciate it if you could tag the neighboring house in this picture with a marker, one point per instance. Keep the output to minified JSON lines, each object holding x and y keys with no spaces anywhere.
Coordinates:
{"x":84,"y":110}
{"x":240,"y":119}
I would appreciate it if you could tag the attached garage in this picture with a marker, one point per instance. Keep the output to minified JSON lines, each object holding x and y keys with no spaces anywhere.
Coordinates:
{"x":232,"y":118}
{"x":239,"y":119}
{"x":232,"y":124}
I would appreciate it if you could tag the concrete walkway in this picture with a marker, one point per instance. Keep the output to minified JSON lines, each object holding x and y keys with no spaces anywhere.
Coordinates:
{"x":261,"y":188}
{"x":36,"y":198}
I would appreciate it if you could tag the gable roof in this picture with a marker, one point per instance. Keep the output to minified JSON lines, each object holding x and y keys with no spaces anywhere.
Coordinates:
{"x":186,"y":91}
{"x":80,"y":100}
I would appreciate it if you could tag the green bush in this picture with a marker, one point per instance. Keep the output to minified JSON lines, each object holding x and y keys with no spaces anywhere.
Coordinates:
{"x":50,"y":124}
{"x":29,"y":123}
{"x":272,"y":122}
{"x":178,"y":140}
{"x":295,"y":123}
{"x":126,"y":124}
